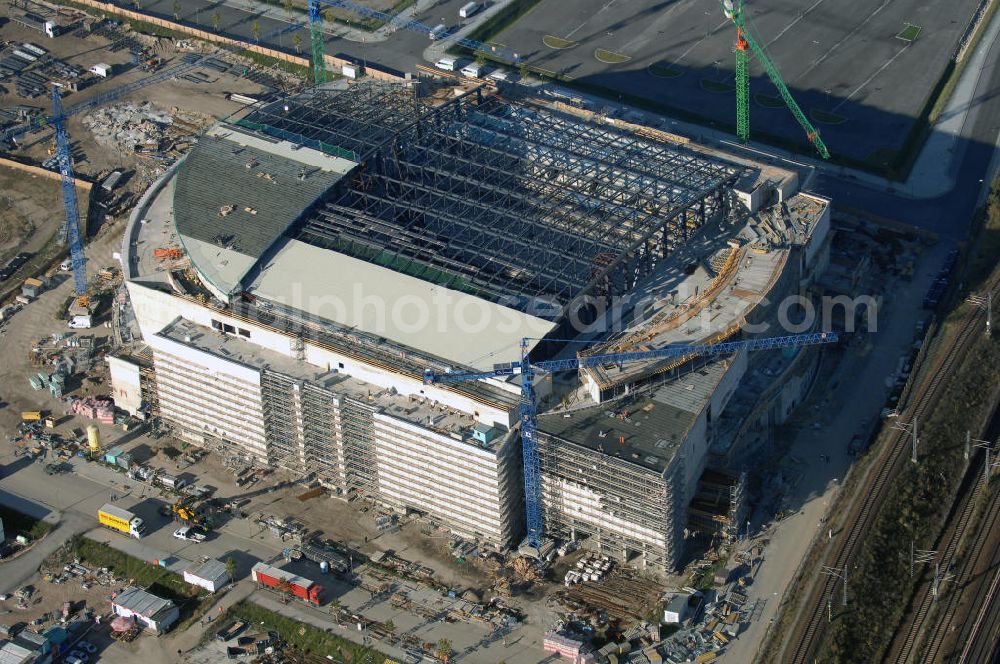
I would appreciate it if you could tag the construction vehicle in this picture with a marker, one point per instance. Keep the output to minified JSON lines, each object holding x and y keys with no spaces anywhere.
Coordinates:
{"x":526,"y":369}
{"x":185,"y":511}
{"x":151,"y":65}
{"x":121,"y":520}
{"x":745,"y":44}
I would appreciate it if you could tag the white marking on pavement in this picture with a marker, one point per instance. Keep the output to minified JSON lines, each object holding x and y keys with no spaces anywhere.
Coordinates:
{"x":869,"y":79}
{"x":791,"y":25}
{"x":818,"y":61}
{"x":577,"y":28}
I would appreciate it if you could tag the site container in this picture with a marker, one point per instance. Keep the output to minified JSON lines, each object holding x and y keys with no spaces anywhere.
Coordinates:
{"x":274,"y":577}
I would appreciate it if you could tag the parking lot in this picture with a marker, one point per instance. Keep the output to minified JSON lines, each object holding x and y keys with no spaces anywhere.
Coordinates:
{"x":848,"y":66}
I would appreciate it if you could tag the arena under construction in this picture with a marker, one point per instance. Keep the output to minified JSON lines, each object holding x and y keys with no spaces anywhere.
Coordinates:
{"x":336,"y":243}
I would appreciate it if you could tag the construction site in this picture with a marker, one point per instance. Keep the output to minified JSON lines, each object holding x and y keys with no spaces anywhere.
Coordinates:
{"x":483,"y":355}
{"x":547,"y":223}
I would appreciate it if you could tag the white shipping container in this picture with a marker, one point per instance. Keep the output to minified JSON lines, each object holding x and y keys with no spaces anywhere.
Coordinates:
{"x":469,"y":9}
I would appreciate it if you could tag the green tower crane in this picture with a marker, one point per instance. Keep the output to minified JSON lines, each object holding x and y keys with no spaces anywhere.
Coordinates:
{"x":745,"y":42}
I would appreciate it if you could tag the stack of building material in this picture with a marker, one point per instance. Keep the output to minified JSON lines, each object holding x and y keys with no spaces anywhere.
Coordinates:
{"x":102,"y":410}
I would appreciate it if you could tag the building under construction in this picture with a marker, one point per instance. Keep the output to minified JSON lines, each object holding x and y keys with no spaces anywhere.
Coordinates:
{"x":299,"y":269}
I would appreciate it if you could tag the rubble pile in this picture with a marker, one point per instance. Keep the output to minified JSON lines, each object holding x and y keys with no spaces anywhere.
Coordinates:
{"x":139,"y":128}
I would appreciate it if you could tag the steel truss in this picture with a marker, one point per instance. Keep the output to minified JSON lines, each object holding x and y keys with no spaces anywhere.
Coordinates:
{"x":504,"y":199}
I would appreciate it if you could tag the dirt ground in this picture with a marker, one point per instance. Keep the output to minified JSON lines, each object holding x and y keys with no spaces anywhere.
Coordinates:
{"x":48,"y":598}
{"x":30,"y":212}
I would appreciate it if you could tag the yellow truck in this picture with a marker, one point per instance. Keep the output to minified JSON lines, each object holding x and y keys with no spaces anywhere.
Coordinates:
{"x":122,"y":520}
{"x":31,"y":415}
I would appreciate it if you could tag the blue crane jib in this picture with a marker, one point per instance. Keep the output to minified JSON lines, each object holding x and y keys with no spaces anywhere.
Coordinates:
{"x":68,"y":182}
{"x":529,"y":416}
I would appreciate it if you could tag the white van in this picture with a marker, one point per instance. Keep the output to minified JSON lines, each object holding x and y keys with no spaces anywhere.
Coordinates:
{"x":66,"y":265}
{"x":447,"y":64}
{"x":80,"y":322}
{"x":469,"y":9}
{"x":438,"y":31}
{"x":499,"y":75}
{"x":472,"y":70}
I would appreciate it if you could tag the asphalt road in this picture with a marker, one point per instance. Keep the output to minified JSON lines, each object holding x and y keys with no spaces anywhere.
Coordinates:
{"x":236,"y":18}
{"x":950,"y":213}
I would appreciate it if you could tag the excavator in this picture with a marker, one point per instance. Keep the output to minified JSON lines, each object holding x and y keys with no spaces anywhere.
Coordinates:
{"x":185,"y":511}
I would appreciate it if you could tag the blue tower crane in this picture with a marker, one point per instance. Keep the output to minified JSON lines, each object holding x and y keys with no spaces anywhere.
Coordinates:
{"x":529,"y":417}
{"x":106,"y":97}
{"x":316,"y":32}
{"x":72,"y":231}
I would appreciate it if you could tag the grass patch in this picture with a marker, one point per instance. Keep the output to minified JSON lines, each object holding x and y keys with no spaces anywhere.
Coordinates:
{"x":611,"y":57}
{"x":18,"y":523}
{"x":826,"y":117}
{"x":663,"y":70}
{"x":306,"y":637}
{"x":716,"y":86}
{"x":917,"y":508}
{"x":191,"y":600}
{"x":985,"y":255}
{"x":768,"y":101}
{"x":909,"y":33}
{"x":557,"y":42}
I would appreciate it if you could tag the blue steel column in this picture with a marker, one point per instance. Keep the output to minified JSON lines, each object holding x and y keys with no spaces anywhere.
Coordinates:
{"x":529,"y":453}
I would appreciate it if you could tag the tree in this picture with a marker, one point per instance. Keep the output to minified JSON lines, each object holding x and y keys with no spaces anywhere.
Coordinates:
{"x":288,"y":5}
{"x":335,"y":607}
{"x":177,"y":10}
{"x":444,"y":649}
{"x":285,"y":588}
{"x":329,"y":15}
{"x":297,"y":42}
{"x":216,"y":20}
{"x":480,"y":58}
{"x":389,"y":627}
{"x":255,"y":31}
{"x":523,"y":71}
{"x":231,"y":567}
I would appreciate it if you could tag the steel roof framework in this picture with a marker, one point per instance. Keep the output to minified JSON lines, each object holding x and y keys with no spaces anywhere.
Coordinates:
{"x":505,"y":199}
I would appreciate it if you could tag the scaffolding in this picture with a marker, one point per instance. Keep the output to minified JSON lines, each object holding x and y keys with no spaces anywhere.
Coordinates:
{"x":504,"y":199}
{"x":356,"y":422}
{"x":630,"y":498}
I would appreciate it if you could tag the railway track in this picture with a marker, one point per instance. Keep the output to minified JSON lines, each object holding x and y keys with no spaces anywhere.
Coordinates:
{"x":906,"y":644}
{"x":894,"y":456}
{"x":981,"y":561}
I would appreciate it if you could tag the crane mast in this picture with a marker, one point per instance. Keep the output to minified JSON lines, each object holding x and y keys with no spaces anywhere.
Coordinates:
{"x":528,"y":409}
{"x":746,"y":43}
{"x":72,"y":230}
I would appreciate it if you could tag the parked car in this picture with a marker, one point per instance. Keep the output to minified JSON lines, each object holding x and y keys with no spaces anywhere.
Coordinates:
{"x":87,"y":647}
